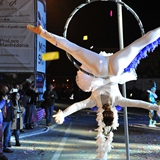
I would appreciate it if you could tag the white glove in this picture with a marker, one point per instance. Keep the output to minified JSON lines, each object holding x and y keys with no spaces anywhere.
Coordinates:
{"x":59,"y":117}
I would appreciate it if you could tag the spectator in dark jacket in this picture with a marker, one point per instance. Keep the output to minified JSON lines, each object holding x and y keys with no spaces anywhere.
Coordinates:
{"x":50,"y":96}
{"x":31,"y":101}
{"x":8,"y":116}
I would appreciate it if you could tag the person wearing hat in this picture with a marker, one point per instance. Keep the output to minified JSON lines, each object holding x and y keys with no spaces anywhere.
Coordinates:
{"x":152,"y":99}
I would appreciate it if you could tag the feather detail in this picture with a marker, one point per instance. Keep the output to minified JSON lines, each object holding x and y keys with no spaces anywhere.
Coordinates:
{"x":115,"y":123}
{"x":142,"y":54}
{"x":104,"y":141}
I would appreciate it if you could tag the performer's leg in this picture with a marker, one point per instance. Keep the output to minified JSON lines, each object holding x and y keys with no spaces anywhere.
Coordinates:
{"x":150,"y":118}
{"x":120,"y":60}
{"x":151,"y":121}
{"x":97,"y":64}
{"x":153,"y":118}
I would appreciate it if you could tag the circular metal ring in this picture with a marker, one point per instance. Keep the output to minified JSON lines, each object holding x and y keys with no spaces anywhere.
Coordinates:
{"x":85,"y":4}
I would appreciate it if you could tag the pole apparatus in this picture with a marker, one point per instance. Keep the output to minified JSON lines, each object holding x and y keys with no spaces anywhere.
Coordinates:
{"x":120,"y":4}
{"x":82,"y":6}
{"x":121,"y":45}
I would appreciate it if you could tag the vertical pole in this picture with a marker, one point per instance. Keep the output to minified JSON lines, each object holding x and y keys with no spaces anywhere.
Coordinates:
{"x":121,"y":45}
{"x":35,"y":51}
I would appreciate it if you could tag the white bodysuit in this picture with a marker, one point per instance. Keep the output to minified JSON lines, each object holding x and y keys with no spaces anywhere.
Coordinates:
{"x":112,"y":68}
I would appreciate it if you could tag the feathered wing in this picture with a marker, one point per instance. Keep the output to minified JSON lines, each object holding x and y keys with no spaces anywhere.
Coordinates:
{"x":142,"y":54}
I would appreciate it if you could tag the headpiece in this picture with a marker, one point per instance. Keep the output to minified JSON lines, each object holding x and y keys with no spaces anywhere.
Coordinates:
{"x":154,"y":87}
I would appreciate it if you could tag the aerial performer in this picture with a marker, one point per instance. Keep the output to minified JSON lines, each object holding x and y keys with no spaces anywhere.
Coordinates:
{"x":109,"y":70}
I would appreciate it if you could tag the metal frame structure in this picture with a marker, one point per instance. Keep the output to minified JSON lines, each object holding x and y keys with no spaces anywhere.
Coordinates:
{"x":85,"y":4}
{"x":120,"y":4}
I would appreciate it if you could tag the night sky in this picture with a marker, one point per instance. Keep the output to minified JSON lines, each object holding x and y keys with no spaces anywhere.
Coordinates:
{"x":95,"y":21}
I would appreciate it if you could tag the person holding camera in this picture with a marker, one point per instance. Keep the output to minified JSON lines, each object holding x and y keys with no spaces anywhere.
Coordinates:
{"x":18,"y":120}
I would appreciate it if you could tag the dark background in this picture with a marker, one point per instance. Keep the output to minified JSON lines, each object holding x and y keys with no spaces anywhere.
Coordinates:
{"x":94,"y":20}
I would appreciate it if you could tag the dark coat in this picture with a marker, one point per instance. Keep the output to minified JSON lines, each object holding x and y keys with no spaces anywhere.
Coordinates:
{"x":10,"y":112}
{"x":31,"y":96}
{"x":50,"y":97}
{"x":23,"y":97}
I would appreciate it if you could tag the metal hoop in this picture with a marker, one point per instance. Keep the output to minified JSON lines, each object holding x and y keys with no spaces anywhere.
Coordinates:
{"x":85,"y":4}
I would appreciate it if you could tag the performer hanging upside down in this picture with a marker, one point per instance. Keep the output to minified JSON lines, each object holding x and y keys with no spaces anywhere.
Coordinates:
{"x":113,"y":69}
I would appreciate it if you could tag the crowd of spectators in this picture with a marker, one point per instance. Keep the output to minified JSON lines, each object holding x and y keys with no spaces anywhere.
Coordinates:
{"x":17,"y":113}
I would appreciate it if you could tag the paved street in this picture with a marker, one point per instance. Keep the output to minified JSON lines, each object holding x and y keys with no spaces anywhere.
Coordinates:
{"x":75,"y":139}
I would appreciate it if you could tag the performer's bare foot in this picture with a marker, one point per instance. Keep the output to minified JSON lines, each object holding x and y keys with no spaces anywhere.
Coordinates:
{"x":34,"y":29}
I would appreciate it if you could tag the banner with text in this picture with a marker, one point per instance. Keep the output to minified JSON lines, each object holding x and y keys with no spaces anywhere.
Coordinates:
{"x":41,"y":43}
{"x":17,"y":11}
{"x":16,"y":48}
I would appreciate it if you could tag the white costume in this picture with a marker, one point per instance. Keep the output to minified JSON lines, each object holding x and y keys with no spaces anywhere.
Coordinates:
{"x":113,"y":68}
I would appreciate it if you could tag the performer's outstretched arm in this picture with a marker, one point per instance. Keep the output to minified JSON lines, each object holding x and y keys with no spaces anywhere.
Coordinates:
{"x":125,"y":102}
{"x":59,"y":117}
